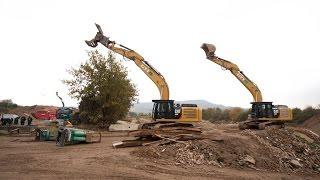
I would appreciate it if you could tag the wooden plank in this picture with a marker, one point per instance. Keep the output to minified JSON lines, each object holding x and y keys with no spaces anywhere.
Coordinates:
{"x":93,"y":137}
{"x":157,"y":142}
{"x":177,"y":124}
{"x":187,"y":137}
{"x":129,"y":143}
{"x":168,"y":130}
{"x":170,"y":139}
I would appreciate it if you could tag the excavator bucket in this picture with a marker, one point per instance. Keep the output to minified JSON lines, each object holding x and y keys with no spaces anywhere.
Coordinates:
{"x":98,"y":38}
{"x":209,"y":49}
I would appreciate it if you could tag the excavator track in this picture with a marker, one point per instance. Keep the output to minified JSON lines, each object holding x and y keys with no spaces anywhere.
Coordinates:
{"x":164,"y":124}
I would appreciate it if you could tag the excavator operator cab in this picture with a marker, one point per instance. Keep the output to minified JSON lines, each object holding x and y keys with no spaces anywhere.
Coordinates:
{"x":264,"y":110}
{"x":163,"y":109}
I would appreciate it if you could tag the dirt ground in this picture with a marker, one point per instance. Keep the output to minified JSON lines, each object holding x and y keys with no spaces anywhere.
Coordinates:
{"x":23,"y":158}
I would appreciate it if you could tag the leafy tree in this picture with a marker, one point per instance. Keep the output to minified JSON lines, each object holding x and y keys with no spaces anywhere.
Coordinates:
{"x":296,"y":113}
{"x":299,"y":116}
{"x":6,"y":105}
{"x":103,"y":88}
{"x":206,"y":114}
{"x":230,"y":114}
{"x":133,"y":114}
{"x":235,"y":113}
{"x":215,"y":114}
{"x":239,"y":114}
{"x":244,"y":114}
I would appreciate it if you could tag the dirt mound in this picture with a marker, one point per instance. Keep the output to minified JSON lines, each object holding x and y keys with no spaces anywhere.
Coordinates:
{"x":313,"y":123}
{"x":271,"y":149}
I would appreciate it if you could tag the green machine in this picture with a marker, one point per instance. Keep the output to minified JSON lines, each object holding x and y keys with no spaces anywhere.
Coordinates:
{"x":62,"y":131}
{"x":65,"y":135}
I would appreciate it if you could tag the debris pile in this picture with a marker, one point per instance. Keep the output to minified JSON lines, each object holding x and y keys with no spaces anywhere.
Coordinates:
{"x":182,"y":153}
{"x":280,"y":150}
{"x":294,"y":148}
{"x":161,"y":134}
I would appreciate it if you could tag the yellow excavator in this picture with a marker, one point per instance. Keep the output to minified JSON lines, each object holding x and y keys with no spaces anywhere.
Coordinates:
{"x":164,"y":110}
{"x":262,"y":113}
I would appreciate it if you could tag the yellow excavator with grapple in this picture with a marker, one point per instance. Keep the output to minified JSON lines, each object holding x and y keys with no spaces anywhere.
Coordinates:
{"x":164,"y":110}
{"x":262,"y":113}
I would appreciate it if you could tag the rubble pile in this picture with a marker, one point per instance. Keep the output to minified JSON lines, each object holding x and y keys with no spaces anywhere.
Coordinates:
{"x":294,"y":149}
{"x":194,"y":152}
{"x":281,"y":150}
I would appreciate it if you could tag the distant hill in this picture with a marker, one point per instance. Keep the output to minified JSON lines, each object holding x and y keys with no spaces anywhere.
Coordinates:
{"x":146,"y":107}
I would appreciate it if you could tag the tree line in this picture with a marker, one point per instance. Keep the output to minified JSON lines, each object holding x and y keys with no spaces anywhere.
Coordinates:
{"x":229,"y":114}
{"x":6,"y":105}
{"x":300,"y":115}
{"x":240,"y":114}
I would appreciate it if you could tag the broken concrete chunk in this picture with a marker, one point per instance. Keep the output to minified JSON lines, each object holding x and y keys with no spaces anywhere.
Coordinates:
{"x":249,"y":159}
{"x":295,"y":163}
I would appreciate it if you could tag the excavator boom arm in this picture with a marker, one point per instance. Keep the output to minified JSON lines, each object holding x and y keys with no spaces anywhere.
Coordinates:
{"x":234,"y":69}
{"x":150,"y":71}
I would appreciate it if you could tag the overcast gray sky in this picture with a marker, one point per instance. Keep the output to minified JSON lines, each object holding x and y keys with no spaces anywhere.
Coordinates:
{"x":275,"y":43}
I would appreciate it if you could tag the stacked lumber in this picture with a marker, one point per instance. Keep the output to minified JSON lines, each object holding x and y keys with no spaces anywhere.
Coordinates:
{"x":160,"y":135}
